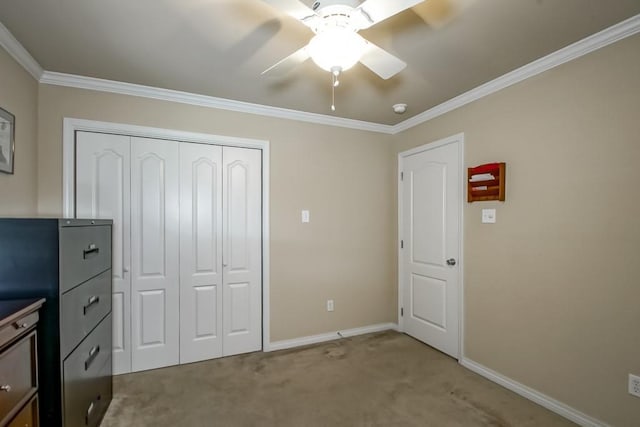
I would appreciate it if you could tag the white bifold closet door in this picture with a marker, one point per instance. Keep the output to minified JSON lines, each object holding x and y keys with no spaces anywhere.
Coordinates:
{"x":187,"y":245}
{"x":103,"y":189}
{"x":220,"y":248}
{"x":242,"y":250}
{"x":201,"y":252}
{"x":155,"y":255}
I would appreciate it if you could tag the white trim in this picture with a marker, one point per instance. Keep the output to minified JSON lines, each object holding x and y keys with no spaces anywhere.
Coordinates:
{"x":71,"y":126}
{"x":580,"y":48}
{"x":533,"y":395}
{"x":454,"y":139}
{"x":400,"y":238}
{"x":19,"y":53}
{"x":329,"y":336}
{"x":91,"y":83}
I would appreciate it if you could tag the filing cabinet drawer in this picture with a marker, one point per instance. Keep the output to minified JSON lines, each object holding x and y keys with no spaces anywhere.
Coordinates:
{"x":87,"y":400}
{"x":17,"y":327}
{"x":82,"y":308}
{"x":84,"y":252}
{"x":28,"y":417}
{"x":18,"y":375}
{"x":89,"y":357}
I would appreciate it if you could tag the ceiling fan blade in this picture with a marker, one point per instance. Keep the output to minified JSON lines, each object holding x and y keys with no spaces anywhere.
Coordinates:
{"x":438,"y":13}
{"x":374,"y":11}
{"x":296,"y":9}
{"x":381,"y":62}
{"x":289,"y":63}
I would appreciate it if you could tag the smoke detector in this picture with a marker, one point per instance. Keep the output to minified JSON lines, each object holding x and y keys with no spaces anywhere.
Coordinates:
{"x":399,"y":108}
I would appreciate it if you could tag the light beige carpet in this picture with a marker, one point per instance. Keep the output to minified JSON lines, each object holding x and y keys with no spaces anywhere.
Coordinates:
{"x":383,"y":379}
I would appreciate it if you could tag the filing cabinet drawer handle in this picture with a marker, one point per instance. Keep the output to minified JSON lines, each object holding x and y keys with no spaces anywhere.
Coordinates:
{"x":6,"y":388}
{"x":93,"y":353}
{"x":90,"y":251}
{"x":90,"y":302}
{"x":90,"y":409}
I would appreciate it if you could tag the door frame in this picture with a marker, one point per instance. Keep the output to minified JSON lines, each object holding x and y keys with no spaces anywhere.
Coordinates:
{"x":72,"y":125}
{"x":454,"y":139}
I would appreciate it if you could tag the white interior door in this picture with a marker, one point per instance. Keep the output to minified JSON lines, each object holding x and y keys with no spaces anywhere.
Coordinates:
{"x":200,"y":252}
{"x":103,"y":191}
{"x":242,"y":250}
{"x":430,"y":215}
{"x":154,"y":253}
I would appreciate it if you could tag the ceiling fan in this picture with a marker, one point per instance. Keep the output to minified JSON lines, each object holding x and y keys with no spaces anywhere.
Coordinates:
{"x":337,"y":46}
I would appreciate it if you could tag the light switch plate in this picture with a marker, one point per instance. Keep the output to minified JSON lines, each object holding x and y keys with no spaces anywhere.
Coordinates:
{"x":488,"y":216}
{"x":305,"y":216}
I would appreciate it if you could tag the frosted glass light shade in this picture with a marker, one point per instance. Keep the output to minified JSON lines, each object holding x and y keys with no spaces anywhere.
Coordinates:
{"x":336,"y":47}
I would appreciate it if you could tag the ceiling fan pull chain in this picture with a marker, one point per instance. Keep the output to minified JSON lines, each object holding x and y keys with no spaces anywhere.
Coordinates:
{"x":333,"y":91}
{"x":335,"y":72}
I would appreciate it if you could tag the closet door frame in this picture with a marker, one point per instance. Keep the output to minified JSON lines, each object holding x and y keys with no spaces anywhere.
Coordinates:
{"x":72,"y":125}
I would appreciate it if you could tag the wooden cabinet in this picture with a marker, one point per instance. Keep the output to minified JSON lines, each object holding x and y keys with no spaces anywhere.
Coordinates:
{"x":18,"y":362}
{"x":28,"y":416}
{"x":486,"y":182}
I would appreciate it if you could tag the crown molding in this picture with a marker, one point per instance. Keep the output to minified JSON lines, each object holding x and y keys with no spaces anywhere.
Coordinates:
{"x":589,"y":44}
{"x":19,"y":53}
{"x":580,"y":48}
{"x":91,"y":83}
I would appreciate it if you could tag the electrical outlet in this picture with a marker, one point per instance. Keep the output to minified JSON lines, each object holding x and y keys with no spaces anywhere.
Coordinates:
{"x":329,"y":305}
{"x":634,"y":385}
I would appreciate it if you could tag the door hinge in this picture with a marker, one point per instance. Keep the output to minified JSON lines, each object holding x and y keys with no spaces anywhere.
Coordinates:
{"x":401,"y":176}
{"x":401,"y":311}
{"x":401,"y":244}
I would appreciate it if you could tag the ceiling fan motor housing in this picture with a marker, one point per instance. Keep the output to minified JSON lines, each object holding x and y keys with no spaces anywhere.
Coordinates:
{"x":319,"y":5}
{"x":337,"y":46}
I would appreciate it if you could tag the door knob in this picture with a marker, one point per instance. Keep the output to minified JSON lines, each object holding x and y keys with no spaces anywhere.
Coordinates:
{"x":451,"y":261}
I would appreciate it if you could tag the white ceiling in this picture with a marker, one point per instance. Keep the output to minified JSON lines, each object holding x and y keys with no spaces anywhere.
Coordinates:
{"x":219,"y":48}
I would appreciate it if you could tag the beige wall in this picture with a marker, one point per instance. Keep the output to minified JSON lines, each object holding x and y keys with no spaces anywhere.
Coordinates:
{"x":19,"y":96}
{"x":552,"y":289}
{"x":342,"y":176}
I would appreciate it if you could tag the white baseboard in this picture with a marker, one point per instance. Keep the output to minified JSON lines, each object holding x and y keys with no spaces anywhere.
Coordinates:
{"x":533,"y":395}
{"x":314,"y":339}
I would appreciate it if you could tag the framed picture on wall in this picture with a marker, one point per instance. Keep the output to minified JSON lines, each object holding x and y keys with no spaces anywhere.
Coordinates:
{"x":7,"y":141}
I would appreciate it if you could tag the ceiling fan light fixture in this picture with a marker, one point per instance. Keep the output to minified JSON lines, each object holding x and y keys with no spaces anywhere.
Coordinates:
{"x":336,"y":47}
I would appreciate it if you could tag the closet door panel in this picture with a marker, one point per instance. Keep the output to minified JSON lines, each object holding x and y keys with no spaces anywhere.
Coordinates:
{"x":103,"y":192}
{"x":154,"y":253}
{"x":200,"y":252}
{"x":242,"y":259}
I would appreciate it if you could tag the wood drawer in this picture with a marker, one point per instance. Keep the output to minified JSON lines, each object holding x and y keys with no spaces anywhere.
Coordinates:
{"x":82,"y":308}
{"x":28,"y":417}
{"x":11,"y":331}
{"x":84,"y":252}
{"x":18,"y":376}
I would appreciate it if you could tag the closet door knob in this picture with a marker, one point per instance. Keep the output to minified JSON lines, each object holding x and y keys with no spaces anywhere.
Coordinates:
{"x":451,"y":261}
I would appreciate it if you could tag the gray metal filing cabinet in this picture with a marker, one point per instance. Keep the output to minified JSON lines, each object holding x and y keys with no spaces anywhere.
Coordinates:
{"x":68,"y":262}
